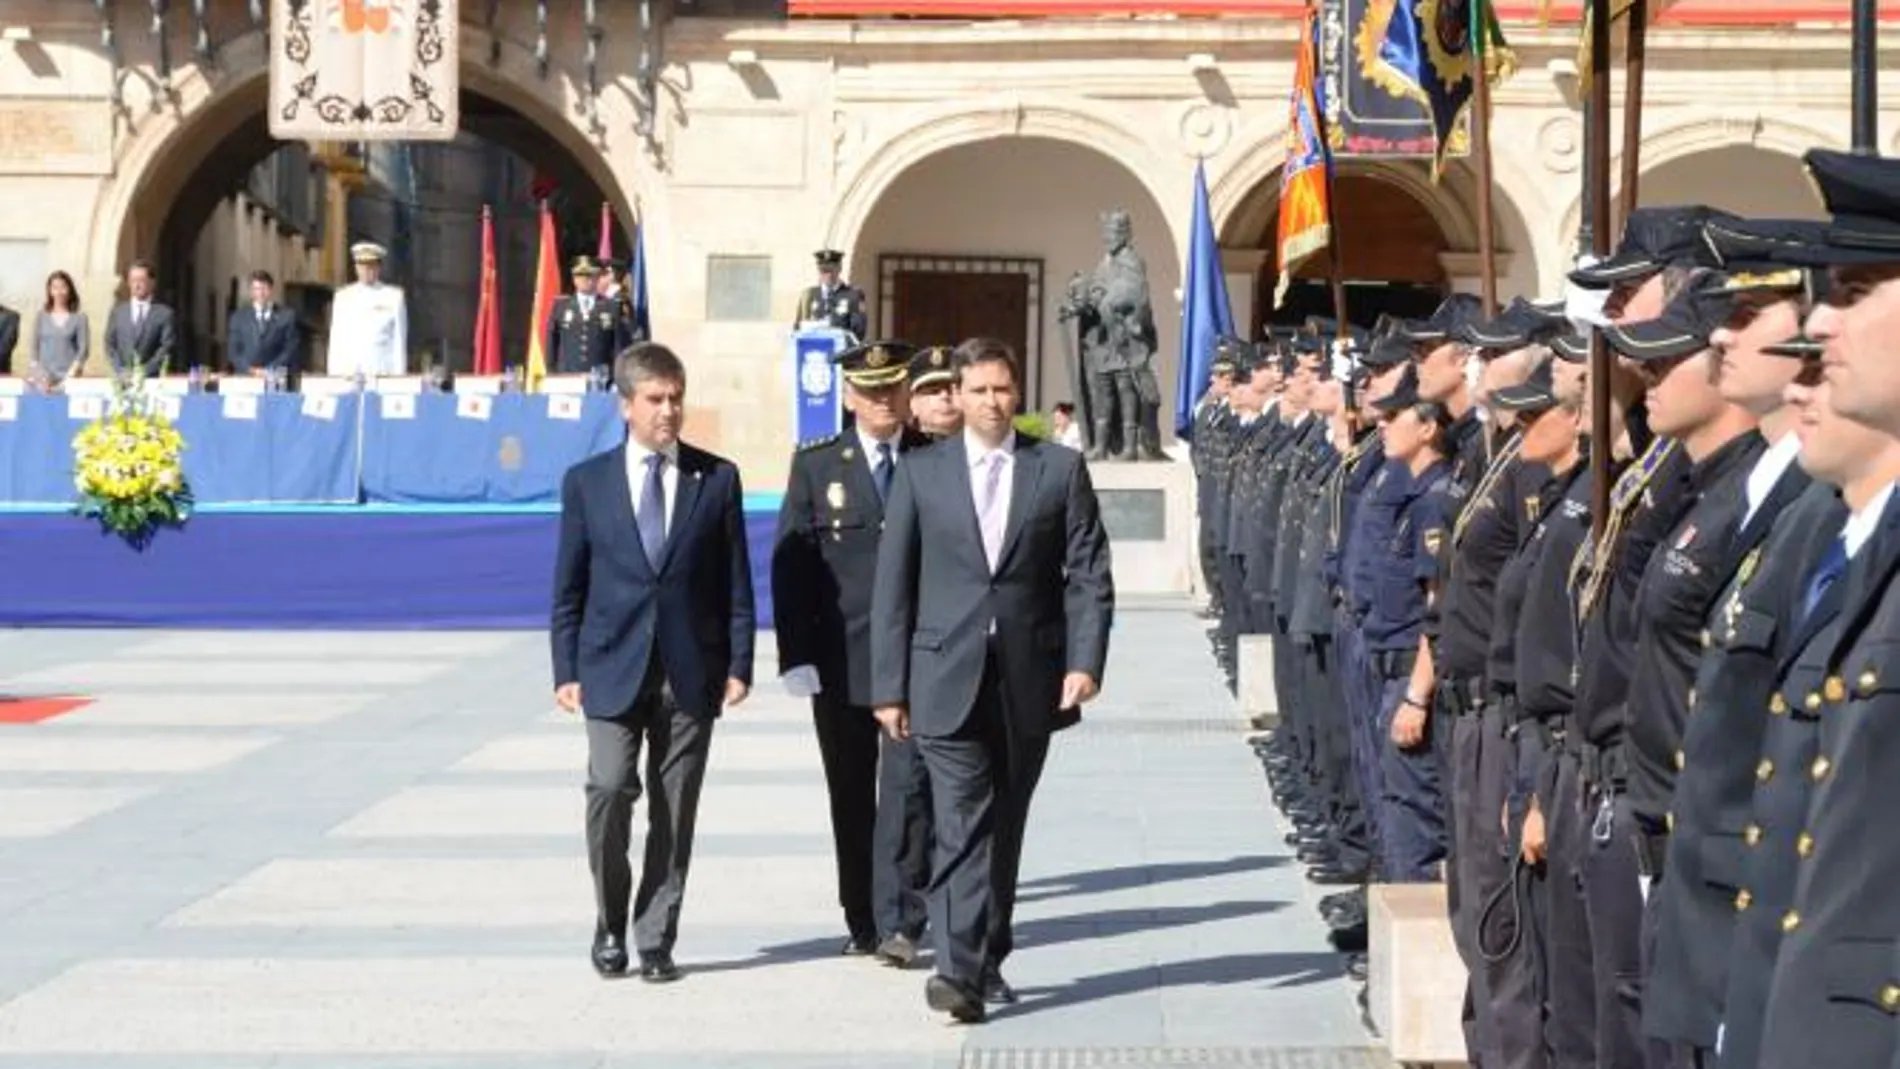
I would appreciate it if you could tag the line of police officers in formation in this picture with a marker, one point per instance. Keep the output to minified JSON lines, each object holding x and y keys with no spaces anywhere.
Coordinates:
{"x":1651,"y":764}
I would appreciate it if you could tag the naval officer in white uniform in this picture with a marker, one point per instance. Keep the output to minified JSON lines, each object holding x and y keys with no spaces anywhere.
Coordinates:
{"x":369,"y":323}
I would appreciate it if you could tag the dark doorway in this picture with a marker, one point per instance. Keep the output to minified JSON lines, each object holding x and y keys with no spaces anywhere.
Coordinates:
{"x":943,"y":300}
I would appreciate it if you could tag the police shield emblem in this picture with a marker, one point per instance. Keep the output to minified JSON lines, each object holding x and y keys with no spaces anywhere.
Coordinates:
{"x":1433,"y":539}
{"x":814,"y":375}
{"x":834,"y":495}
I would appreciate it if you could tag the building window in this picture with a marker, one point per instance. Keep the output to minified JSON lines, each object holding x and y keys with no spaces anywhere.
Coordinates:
{"x":739,"y":289}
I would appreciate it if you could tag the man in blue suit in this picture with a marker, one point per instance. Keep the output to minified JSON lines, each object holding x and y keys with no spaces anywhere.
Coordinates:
{"x":652,"y":630}
{"x":263,"y":334}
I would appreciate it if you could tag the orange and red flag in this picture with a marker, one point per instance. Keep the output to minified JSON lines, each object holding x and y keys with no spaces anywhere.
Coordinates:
{"x":1306,"y":224}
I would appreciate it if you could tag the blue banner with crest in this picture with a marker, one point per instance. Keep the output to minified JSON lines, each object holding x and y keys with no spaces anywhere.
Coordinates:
{"x":817,"y":391}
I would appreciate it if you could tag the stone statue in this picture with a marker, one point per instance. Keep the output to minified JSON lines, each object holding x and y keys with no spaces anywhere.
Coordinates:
{"x":1118,"y":394}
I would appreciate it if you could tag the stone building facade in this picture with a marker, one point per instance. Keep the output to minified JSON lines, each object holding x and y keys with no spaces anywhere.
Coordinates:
{"x":961,"y":165}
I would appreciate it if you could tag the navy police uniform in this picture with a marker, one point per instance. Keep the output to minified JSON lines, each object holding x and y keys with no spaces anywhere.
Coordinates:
{"x":823,"y":566}
{"x":586,"y":331}
{"x":839,"y":305}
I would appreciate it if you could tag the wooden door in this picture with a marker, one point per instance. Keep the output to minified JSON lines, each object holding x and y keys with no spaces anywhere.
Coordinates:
{"x":948,"y":307}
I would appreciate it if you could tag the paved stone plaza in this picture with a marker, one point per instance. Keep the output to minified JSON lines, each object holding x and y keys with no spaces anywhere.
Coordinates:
{"x":355,"y":850}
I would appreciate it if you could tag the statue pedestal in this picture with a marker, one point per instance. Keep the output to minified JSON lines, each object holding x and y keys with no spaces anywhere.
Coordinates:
{"x":1148,"y":508}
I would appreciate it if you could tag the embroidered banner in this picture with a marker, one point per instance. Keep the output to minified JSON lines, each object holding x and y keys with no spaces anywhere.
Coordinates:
{"x":364,"y":70}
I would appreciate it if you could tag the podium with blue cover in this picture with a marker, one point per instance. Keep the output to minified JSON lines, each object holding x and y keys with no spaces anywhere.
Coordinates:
{"x":359,"y":510}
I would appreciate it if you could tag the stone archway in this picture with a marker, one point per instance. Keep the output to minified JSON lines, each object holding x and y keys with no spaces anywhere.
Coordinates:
{"x":1697,"y":162}
{"x":211,"y":106}
{"x":944,"y":254}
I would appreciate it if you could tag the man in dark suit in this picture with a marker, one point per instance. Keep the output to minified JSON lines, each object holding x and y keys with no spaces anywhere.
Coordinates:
{"x":823,"y":566}
{"x":585,"y":330}
{"x":141,"y":332}
{"x":833,"y":301}
{"x":9,"y":336}
{"x":263,"y":334}
{"x":652,"y":635}
{"x":989,"y":630}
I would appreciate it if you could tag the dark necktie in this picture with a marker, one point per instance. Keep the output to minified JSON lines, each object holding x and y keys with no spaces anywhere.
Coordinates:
{"x":1832,"y":566}
{"x":653,"y":510}
{"x":882,"y":471}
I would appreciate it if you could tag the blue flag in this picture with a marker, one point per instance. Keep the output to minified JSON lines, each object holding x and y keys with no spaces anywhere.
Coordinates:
{"x":637,"y":284}
{"x":1205,"y":314}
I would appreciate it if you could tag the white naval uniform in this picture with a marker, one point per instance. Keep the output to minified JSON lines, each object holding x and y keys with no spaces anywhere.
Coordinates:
{"x":369,"y":331}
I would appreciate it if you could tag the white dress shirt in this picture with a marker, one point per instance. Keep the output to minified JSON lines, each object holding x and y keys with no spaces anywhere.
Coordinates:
{"x":637,"y":455}
{"x":1861,"y":525}
{"x":980,"y":461}
{"x":868,"y":446}
{"x":1768,"y":471}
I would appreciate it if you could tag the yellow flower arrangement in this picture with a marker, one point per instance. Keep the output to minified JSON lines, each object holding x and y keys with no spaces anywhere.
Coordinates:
{"x":128,"y":468}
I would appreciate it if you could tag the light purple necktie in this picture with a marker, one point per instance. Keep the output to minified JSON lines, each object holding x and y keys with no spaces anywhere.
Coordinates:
{"x":990,"y":514}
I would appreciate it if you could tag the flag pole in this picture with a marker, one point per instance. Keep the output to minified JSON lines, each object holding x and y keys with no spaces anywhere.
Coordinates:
{"x":1635,"y":53}
{"x":1597,"y":149}
{"x":1481,"y":148}
{"x":1866,"y":119}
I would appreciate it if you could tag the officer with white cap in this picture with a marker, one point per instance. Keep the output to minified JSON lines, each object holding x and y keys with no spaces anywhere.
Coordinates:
{"x":369,"y":321}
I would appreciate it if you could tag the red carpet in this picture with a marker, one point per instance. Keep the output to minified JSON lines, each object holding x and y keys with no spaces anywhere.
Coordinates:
{"x":34,"y":710}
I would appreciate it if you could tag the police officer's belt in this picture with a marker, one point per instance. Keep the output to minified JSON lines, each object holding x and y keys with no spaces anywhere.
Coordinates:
{"x":1395,"y":663}
{"x":1603,"y":766}
{"x":1462,"y":696}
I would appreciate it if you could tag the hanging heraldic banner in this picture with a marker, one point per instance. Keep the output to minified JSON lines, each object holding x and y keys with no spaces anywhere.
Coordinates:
{"x":364,"y":70}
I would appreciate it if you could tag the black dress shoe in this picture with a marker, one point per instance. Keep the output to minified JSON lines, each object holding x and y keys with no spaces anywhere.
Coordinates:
{"x":610,"y":955}
{"x":1346,"y":918}
{"x":947,"y":996}
{"x":658,"y":968}
{"x":996,"y":990}
{"x":1329,"y":876}
{"x":1356,"y":967}
{"x":1340,"y":898}
{"x":899,"y":951}
{"x":1348,"y":940}
{"x":859,"y":946}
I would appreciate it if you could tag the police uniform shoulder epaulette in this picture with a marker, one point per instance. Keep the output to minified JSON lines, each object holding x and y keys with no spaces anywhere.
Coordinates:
{"x":818,"y":443}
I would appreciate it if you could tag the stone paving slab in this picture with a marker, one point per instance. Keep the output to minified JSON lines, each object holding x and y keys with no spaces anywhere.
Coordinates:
{"x":363,"y":851}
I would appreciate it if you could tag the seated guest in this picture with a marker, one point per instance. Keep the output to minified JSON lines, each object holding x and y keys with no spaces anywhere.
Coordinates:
{"x":62,"y":339}
{"x":263,"y":334}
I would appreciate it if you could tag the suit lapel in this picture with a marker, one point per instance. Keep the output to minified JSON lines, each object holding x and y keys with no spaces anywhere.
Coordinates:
{"x":955,"y":457}
{"x":1022,"y":494}
{"x":619,"y":495}
{"x":692,"y":477}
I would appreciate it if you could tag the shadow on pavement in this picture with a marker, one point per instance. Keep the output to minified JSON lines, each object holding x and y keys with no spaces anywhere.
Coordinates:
{"x":1119,"y":879}
{"x":1267,"y":970}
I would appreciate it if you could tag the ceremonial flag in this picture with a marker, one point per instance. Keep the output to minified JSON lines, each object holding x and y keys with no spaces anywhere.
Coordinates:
{"x":488,"y":313}
{"x":606,"y":233}
{"x":547,"y":286}
{"x":1205,"y":313}
{"x":637,"y":283}
{"x":1306,"y":218}
{"x":1435,"y":45}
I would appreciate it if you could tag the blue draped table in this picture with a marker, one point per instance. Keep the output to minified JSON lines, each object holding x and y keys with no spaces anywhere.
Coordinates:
{"x":281,"y":568}
{"x":288,"y":449}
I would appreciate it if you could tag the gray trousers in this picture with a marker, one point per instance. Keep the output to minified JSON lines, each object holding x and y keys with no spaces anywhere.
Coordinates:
{"x":677,"y":745}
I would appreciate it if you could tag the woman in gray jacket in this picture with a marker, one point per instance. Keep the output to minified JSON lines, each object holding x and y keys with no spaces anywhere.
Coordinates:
{"x":61,"y":336}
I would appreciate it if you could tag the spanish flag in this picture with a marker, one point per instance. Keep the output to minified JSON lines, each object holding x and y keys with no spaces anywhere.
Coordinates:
{"x":547,"y":286}
{"x":1306,"y":215}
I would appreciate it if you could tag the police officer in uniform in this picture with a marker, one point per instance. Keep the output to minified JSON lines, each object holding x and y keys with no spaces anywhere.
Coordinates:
{"x":586,"y":330}
{"x":822,"y":570}
{"x":1653,"y":262}
{"x":369,"y":321}
{"x":1530,"y":949}
{"x":1407,"y":520}
{"x":1721,"y":744}
{"x":1212,"y":434}
{"x":1246,"y":483}
{"x":1679,"y":584}
{"x":833,"y":301}
{"x":1835,"y":992}
{"x":933,"y":402}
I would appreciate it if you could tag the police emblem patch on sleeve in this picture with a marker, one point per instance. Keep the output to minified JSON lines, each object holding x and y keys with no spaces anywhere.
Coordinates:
{"x":1433,"y":537}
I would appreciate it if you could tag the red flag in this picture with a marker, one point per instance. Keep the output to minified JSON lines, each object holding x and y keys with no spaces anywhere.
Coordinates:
{"x":606,"y":232}
{"x":488,"y":313}
{"x":1305,"y":214}
{"x":547,"y":286}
